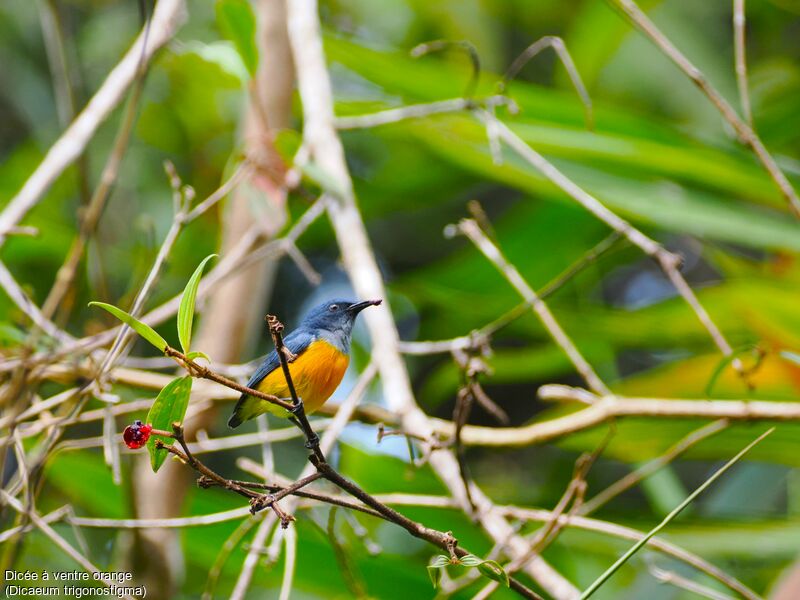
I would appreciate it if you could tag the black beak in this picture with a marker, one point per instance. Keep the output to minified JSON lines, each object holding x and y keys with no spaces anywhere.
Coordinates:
{"x":359,"y":306}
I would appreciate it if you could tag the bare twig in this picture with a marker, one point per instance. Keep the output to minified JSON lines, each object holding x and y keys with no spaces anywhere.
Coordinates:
{"x":242,"y":255}
{"x":668,"y":262}
{"x":26,"y":305}
{"x":488,"y":330}
{"x":558,"y":46}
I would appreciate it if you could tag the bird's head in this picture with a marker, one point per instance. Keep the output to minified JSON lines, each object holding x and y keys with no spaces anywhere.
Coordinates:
{"x":336,"y":316}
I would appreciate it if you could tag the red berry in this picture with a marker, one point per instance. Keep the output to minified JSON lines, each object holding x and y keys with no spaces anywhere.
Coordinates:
{"x":136,"y":435}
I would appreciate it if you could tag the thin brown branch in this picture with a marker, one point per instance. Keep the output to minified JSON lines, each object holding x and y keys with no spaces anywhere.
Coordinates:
{"x":297,"y":410}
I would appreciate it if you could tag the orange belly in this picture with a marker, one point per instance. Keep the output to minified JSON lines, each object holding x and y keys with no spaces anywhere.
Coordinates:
{"x":316,"y":373}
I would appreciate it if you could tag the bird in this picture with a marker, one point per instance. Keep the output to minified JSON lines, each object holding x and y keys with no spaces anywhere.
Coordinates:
{"x":321,"y":345}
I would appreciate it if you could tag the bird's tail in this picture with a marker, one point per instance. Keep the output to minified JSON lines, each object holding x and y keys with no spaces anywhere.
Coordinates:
{"x":240,"y":415}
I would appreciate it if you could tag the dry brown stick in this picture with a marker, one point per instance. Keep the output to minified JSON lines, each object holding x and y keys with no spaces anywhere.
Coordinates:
{"x":745,"y":132}
{"x":609,"y":407}
{"x":197,"y":370}
{"x":297,"y":409}
{"x":534,"y":433}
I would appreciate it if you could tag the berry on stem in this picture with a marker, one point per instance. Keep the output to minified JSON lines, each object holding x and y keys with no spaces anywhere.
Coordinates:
{"x":135,"y":436}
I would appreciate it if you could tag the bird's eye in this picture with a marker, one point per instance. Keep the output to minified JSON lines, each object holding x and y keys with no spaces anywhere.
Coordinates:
{"x":333,"y":307}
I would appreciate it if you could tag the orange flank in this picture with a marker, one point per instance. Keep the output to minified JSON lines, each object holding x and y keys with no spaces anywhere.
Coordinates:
{"x":316,"y":374}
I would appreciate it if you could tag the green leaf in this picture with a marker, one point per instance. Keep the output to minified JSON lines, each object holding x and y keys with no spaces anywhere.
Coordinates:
{"x":470,"y":560}
{"x":493,"y":570}
{"x":440,"y":561}
{"x":186,"y":310}
{"x":168,"y":408}
{"x":238,"y":23}
{"x":435,"y":573}
{"x":143,"y":330}
{"x":223,"y":54}
{"x":197,"y":354}
{"x":10,"y":335}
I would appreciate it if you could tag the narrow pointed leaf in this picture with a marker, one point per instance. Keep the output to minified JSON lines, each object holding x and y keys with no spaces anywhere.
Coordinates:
{"x":186,"y":310}
{"x":142,"y":329}
{"x":168,"y":408}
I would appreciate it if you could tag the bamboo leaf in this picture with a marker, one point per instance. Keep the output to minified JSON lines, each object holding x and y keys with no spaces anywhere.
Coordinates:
{"x":142,"y":329}
{"x":186,"y":310}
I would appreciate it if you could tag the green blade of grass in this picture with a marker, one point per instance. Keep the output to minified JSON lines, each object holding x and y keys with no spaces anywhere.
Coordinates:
{"x":675,"y":512}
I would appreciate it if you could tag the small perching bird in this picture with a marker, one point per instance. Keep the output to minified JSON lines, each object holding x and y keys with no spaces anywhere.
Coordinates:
{"x":321,"y":345}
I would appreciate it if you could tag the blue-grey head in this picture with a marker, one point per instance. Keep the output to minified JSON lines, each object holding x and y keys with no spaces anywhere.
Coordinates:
{"x":334,"y":320}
